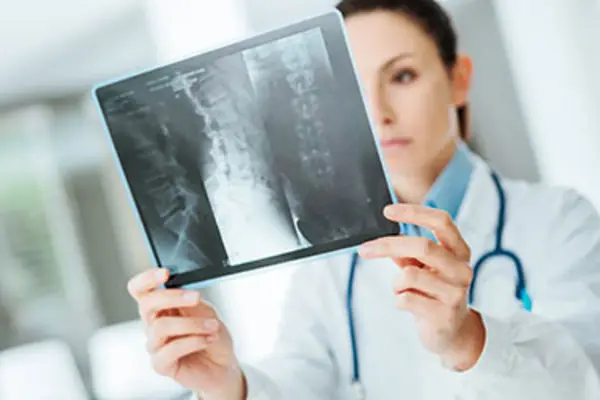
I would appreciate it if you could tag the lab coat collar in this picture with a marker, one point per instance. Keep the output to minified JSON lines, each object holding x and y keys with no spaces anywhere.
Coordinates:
{"x":478,"y":214}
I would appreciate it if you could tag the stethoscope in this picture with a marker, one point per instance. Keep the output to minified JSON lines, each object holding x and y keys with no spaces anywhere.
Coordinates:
{"x":520,"y":291}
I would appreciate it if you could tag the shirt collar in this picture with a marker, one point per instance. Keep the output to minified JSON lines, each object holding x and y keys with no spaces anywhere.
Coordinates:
{"x":448,"y":191}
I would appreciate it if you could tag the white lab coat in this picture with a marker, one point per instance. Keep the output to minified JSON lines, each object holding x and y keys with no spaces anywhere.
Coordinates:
{"x":552,"y":353}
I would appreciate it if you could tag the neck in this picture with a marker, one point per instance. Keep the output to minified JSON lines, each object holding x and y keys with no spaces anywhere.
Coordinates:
{"x":412,"y":187}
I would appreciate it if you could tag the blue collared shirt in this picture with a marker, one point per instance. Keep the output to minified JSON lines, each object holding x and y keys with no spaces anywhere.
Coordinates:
{"x":448,"y":191}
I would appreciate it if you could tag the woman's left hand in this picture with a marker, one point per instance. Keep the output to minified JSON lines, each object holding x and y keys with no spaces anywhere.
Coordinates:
{"x":433,"y":283}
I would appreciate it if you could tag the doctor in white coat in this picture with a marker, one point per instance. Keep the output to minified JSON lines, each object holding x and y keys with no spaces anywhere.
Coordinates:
{"x":492,"y":292}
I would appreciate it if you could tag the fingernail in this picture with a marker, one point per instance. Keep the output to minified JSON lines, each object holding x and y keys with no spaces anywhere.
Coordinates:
{"x":211,"y":324}
{"x":160,"y":274}
{"x":389,"y":211}
{"x":191,"y":296}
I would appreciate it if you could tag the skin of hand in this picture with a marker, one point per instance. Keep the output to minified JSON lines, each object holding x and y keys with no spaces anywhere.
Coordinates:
{"x":433,"y":283}
{"x":186,"y":340}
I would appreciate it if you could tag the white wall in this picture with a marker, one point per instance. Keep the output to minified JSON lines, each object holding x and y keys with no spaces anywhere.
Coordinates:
{"x":181,"y":28}
{"x":554,"y":53}
{"x":267,"y":14}
{"x":499,"y":128}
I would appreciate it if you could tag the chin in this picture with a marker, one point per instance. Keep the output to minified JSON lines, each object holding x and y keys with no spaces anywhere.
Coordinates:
{"x":403,"y":164}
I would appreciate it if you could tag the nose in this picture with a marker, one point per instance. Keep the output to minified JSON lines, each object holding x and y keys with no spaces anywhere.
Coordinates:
{"x":381,"y":110}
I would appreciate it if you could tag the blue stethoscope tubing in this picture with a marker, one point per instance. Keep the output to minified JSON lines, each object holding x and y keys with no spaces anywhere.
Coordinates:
{"x":498,"y":251}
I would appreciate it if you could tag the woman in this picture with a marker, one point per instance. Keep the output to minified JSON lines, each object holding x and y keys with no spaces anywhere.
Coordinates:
{"x":417,"y":334}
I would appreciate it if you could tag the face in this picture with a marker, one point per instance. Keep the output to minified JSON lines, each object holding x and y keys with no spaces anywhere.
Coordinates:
{"x":410,"y":93}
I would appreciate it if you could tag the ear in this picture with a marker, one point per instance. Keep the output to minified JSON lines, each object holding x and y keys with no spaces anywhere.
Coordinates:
{"x":462,"y":76}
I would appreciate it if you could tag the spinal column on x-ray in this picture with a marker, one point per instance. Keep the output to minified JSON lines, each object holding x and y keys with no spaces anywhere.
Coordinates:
{"x":177,"y":205}
{"x":238,"y":176}
{"x":169,"y":202}
{"x":292,"y":78}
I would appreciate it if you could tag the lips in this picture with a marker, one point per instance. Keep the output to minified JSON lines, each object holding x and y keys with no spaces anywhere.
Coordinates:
{"x":396,"y":142}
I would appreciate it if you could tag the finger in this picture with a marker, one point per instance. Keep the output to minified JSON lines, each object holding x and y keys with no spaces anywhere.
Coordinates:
{"x":165,"y":300}
{"x":430,"y":284}
{"x":164,"y":329}
{"x":416,"y":304}
{"x":409,"y":262}
{"x":165,"y":359}
{"x":422,"y":249}
{"x":147,"y":281}
{"x":439,"y":222}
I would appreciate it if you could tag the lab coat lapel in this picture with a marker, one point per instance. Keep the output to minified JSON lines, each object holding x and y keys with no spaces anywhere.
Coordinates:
{"x":478,"y":215}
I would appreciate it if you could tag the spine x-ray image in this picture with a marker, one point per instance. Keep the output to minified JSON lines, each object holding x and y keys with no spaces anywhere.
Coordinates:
{"x":244,"y":157}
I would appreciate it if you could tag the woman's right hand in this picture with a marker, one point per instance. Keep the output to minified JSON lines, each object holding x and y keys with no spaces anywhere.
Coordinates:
{"x":186,"y":339}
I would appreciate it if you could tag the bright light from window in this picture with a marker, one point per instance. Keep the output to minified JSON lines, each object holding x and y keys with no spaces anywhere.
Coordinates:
{"x":184,"y":27}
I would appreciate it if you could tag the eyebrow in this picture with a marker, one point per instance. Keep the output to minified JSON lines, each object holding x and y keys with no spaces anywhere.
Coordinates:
{"x":394,"y":59}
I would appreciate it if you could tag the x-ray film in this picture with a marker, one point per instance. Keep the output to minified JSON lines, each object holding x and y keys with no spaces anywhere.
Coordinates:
{"x":251,"y":155}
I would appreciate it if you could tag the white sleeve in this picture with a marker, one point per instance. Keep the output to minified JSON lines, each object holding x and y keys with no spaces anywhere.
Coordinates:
{"x":552,"y":353}
{"x":260,"y":386}
{"x":301,"y":365}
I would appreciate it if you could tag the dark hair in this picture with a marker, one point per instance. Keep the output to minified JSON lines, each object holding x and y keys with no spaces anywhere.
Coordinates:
{"x":427,"y":14}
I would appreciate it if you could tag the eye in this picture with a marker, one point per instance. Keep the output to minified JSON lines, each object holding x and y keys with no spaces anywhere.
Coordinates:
{"x":405,"y":77}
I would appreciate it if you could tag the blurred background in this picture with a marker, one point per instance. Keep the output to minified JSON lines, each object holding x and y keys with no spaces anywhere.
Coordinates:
{"x":68,"y":238}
